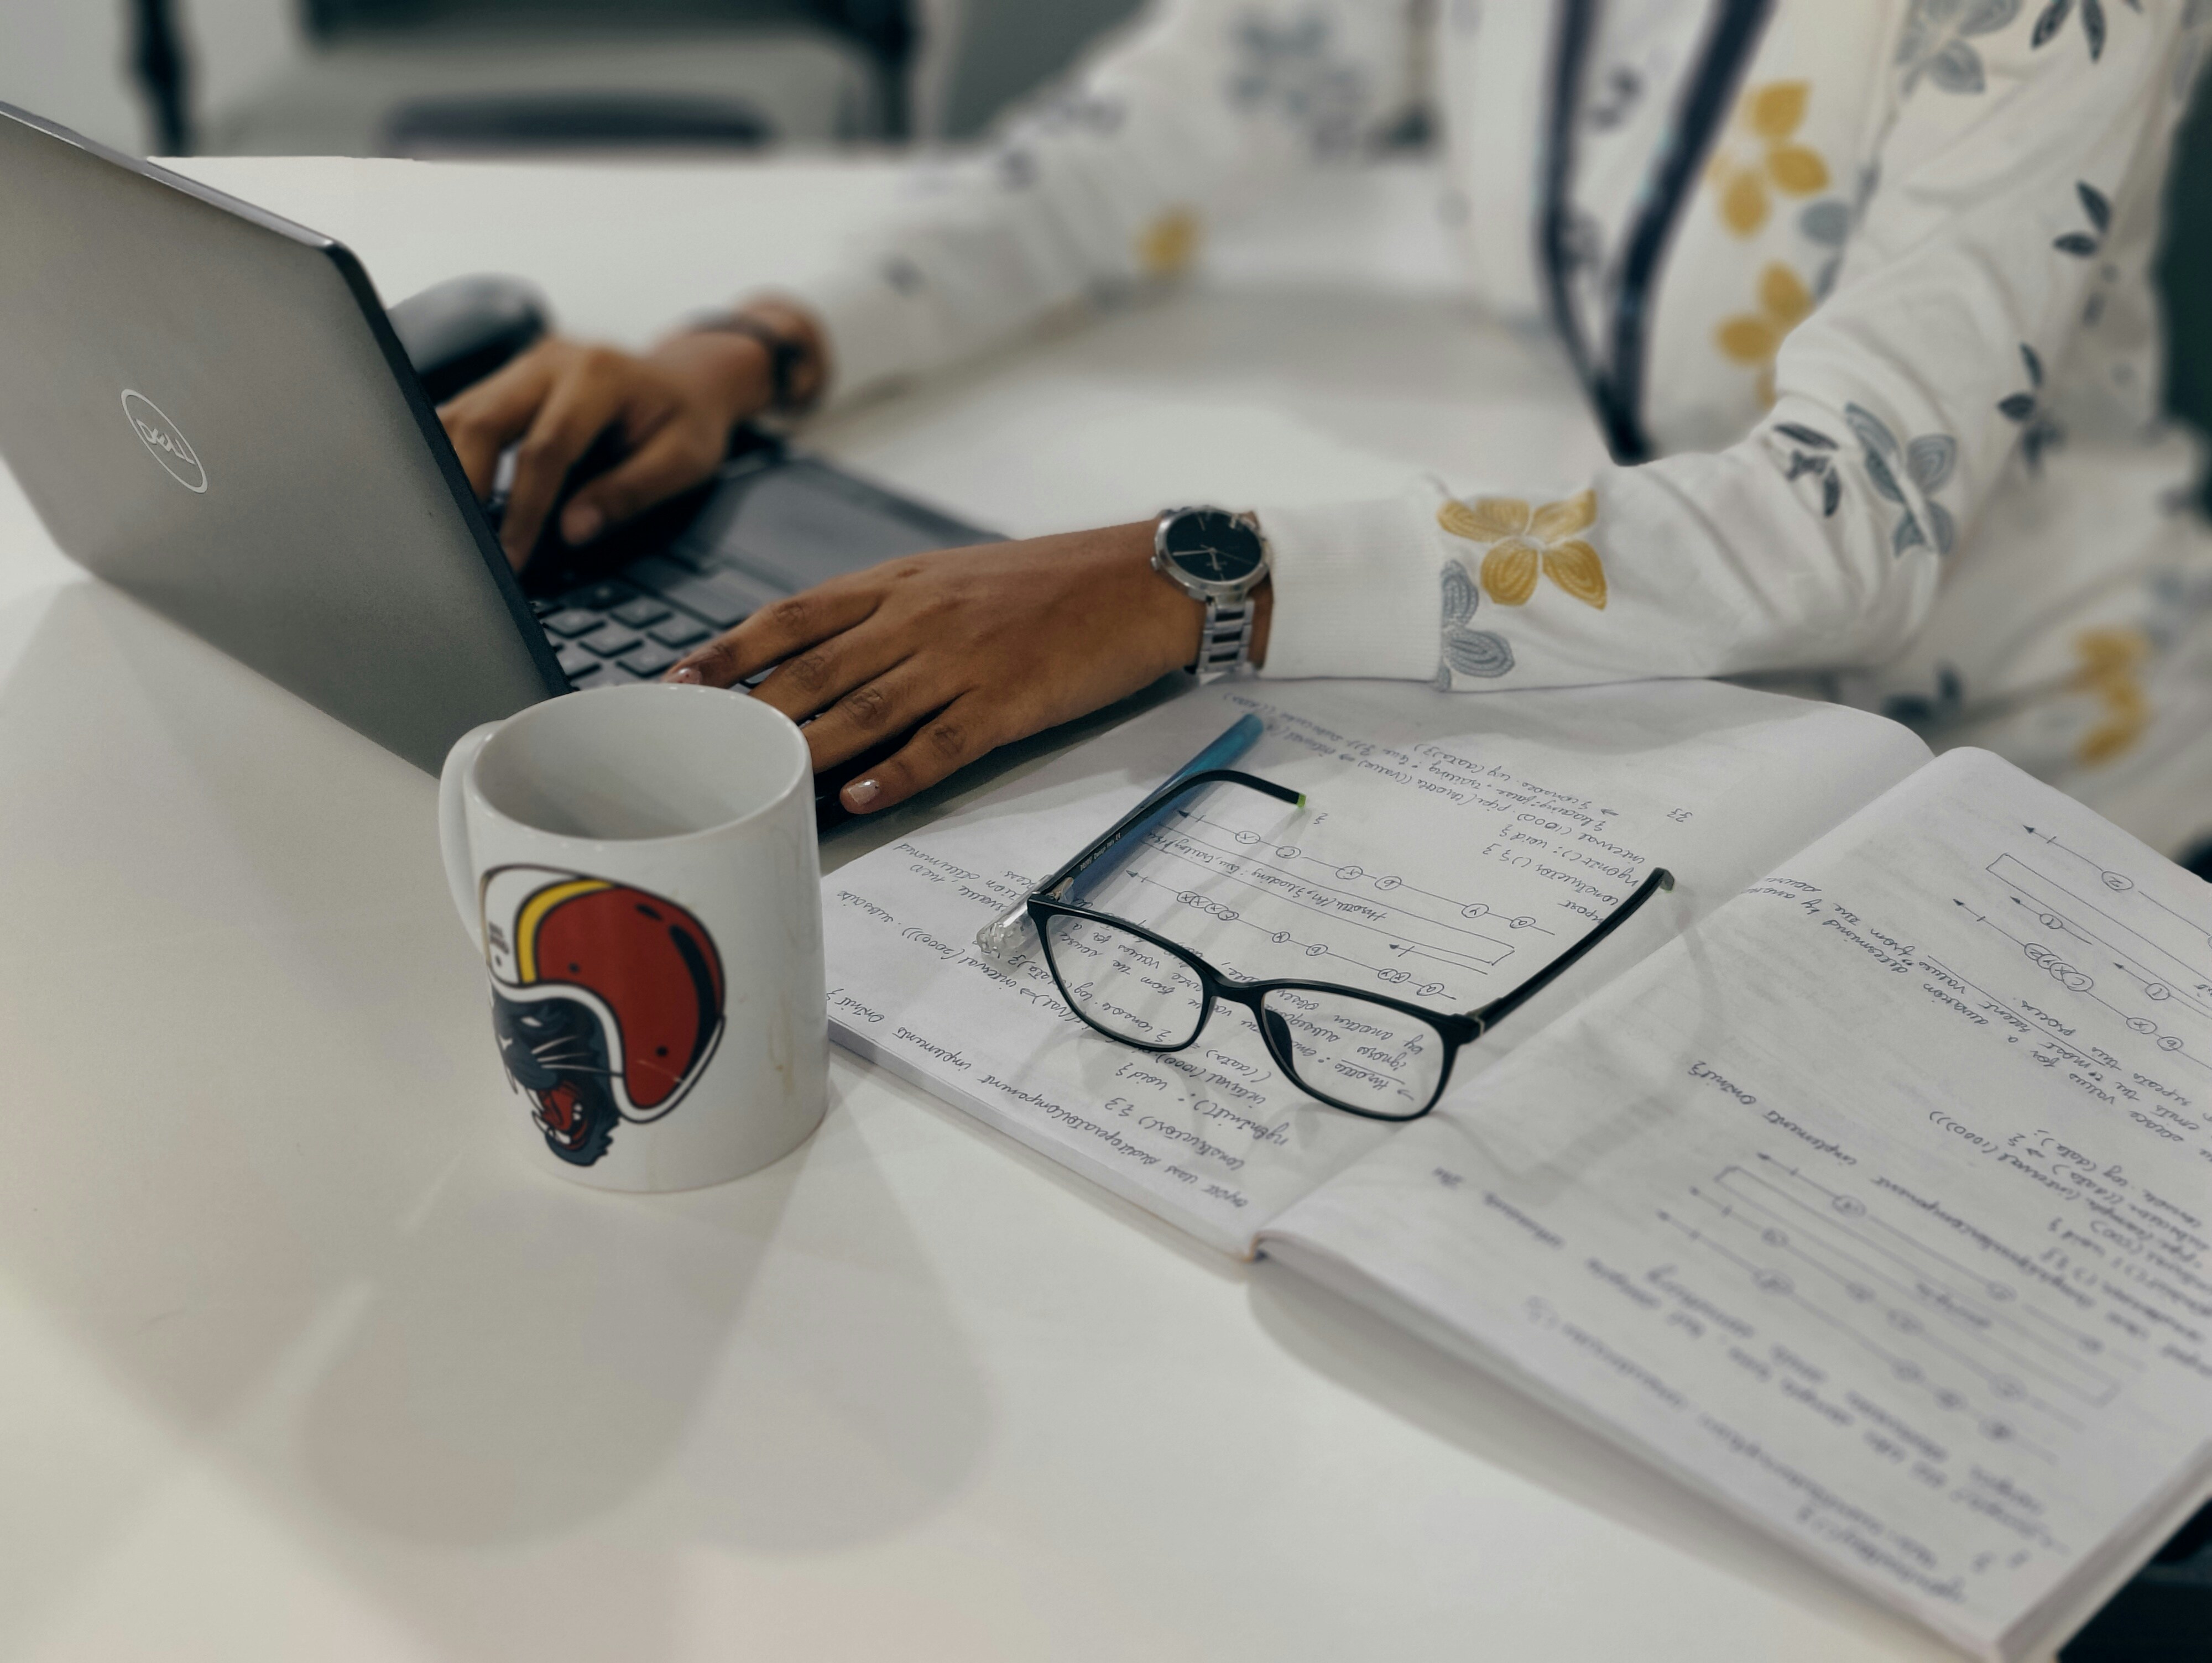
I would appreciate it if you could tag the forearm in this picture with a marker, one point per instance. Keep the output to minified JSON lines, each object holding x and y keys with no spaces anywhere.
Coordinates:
{"x":1110,"y":185}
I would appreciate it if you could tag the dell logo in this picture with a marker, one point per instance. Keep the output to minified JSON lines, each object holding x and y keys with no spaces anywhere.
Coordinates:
{"x":163,"y":442}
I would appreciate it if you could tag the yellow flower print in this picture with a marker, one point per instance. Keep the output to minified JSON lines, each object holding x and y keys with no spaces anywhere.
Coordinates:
{"x":2110,"y":665}
{"x":1166,"y":245}
{"x":1754,"y":338}
{"x":1525,"y":541}
{"x":1761,"y":153}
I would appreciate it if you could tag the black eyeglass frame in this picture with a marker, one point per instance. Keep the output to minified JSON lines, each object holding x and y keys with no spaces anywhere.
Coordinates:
{"x":1453,"y":1029}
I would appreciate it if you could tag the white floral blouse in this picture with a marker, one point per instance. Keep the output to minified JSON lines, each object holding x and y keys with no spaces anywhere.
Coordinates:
{"x":1858,"y":291}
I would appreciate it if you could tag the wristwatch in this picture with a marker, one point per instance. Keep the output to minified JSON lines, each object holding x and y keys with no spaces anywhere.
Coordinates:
{"x":1219,"y":558}
{"x":787,"y":357}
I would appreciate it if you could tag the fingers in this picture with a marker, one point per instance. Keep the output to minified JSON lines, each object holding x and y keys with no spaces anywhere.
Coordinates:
{"x":490,"y":415}
{"x":955,"y":736}
{"x":578,"y":408}
{"x":780,"y":632}
{"x":877,"y":708}
{"x":674,"y":459}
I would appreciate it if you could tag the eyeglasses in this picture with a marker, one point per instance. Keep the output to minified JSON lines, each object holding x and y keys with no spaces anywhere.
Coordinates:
{"x":1380,"y":1058}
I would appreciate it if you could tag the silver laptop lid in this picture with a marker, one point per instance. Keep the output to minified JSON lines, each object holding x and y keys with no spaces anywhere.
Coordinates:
{"x":205,"y":405}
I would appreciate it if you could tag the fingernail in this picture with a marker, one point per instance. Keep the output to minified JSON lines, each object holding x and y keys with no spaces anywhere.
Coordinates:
{"x":581,"y":523}
{"x":684,"y":674}
{"x":861,"y":792}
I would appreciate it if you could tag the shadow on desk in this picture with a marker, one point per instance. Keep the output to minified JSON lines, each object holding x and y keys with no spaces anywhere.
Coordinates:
{"x":256,"y":1176}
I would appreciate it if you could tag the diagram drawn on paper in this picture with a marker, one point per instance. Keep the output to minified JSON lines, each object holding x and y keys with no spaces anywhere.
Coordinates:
{"x":1961,"y":1338}
{"x":2152,"y":975}
{"x":1259,"y":905}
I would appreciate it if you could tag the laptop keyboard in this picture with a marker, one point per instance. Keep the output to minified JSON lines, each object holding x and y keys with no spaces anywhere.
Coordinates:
{"x":632,"y":627}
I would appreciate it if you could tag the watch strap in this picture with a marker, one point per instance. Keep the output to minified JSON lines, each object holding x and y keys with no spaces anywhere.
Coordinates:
{"x":1225,"y":636}
{"x":785,"y":357}
{"x":1225,"y":639}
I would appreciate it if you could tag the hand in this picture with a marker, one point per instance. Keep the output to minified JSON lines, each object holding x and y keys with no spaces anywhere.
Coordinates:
{"x":984,"y":645}
{"x":674,"y":408}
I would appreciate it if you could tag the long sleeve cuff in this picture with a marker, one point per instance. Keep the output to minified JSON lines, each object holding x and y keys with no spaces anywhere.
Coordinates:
{"x":876,"y":333}
{"x":1355,"y":588}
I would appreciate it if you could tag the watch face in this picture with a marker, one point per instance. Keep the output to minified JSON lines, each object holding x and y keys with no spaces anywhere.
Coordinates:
{"x":1213,"y":546}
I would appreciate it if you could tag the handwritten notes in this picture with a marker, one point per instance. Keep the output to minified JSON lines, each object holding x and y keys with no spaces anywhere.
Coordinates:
{"x":1879,"y":1205}
{"x":1451,"y":846}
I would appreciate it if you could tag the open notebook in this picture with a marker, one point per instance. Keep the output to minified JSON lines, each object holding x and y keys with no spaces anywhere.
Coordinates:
{"x":1862,"y":1183}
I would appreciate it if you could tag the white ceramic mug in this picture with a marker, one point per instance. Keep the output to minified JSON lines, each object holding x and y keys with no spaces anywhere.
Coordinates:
{"x":639,"y":867}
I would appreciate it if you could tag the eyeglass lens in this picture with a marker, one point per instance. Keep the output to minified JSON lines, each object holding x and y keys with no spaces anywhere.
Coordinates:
{"x":1123,"y":985}
{"x":1353,"y":1053}
{"x":1346,"y":1050}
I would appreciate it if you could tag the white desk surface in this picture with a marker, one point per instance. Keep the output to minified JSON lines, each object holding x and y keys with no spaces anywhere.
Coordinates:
{"x":300,"y":1363}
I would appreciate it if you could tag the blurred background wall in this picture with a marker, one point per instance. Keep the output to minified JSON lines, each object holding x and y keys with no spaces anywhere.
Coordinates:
{"x":442,"y":76}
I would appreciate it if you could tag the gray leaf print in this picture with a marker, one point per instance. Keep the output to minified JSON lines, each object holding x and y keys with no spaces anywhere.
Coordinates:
{"x":1827,"y":222}
{"x":1957,"y":67}
{"x":1460,"y":596}
{"x":2038,"y":429}
{"x":1934,"y":41}
{"x":1291,"y":69}
{"x":1946,"y":529}
{"x":2095,"y":204}
{"x":1884,"y":480}
{"x":2054,"y":16}
{"x":1873,"y":433}
{"x":1930,"y":458}
{"x":1442,"y":680}
{"x":1482,"y":652}
{"x":1818,"y":460}
{"x":1928,"y":462}
{"x":1805,"y":436}
{"x":1925,"y":710}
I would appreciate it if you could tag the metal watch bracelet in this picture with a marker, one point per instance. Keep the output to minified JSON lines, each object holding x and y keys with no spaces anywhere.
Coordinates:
{"x":1225,"y":639}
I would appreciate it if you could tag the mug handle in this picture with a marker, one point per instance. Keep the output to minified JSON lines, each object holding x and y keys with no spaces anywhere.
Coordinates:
{"x":453,"y":828}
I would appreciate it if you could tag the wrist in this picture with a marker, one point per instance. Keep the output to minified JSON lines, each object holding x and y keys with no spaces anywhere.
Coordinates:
{"x":793,"y":353}
{"x":1216,"y":560}
{"x":733,"y":372}
{"x":1169,"y":619}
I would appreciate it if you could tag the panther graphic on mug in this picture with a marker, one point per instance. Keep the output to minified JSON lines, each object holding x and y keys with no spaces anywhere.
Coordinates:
{"x":606,"y":1001}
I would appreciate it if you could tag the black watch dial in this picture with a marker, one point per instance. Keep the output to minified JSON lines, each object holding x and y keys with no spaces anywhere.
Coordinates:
{"x":1212,"y":547}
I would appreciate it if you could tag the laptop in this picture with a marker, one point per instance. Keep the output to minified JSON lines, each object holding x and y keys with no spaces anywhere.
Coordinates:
{"x":209,"y":409}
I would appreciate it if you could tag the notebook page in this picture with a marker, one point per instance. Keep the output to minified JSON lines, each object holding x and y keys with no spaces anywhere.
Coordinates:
{"x":1880,"y":1205}
{"x":1451,"y":845}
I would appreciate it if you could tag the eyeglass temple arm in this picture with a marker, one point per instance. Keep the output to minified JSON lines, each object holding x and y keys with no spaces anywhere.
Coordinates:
{"x":1504,"y":1005}
{"x":998,"y":937}
{"x":1135,"y":826}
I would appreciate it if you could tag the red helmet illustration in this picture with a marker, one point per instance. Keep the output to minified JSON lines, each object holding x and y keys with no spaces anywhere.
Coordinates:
{"x":606,"y":1000}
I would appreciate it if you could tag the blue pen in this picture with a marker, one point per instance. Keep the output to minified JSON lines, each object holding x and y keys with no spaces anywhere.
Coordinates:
{"x":1241,"y":736}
